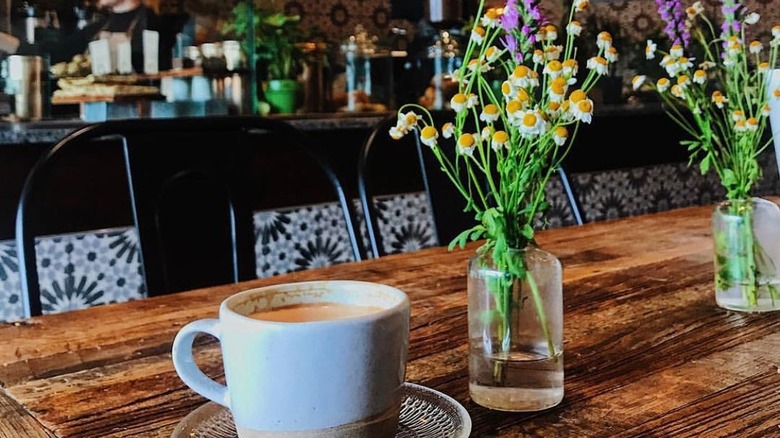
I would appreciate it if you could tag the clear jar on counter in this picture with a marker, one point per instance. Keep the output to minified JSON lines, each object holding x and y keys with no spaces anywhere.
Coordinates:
{"x":367,"y":82}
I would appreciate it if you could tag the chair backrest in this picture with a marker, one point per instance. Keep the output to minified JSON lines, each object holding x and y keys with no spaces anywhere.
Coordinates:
{"x":194,"y":184}
{"x":445,"y":202}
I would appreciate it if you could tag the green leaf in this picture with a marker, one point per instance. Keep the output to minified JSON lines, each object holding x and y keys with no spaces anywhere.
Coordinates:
{"x":704,"y":166}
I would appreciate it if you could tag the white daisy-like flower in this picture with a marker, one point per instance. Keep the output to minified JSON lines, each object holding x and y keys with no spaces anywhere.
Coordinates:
{"x":574,"y":28}
{"x":699,"y":77}
{"x":570,"y":69}
{"x":478,"y":35}
{"x":752,"y":18}
{"x":599,"y":64}
{"x":490,"y":113}
{"x":408,"y":120}
{"x":557,"y":90}
{"x":458,"y":102}
{"x":491,"y":18}
{"x":500,"y":139}
{"x":663,"y":84}
{"x":514,"y":110}
{"x":552,"y":52}
{"x":480,"y":64}
{"x":734,"y":50}
{"x":737,"y":115}
{"x":695,"y":9}
{"x":676,"y":51}
{"x":763,"y":67}
{"x":581,"y":5}
{"x":538,"y":57}
{"x":396,"y":132}
{"x":637,"y":81}
{"x":492,"y":53}
{"x":560,"y":135}
{"x":531,"y":124}
{"x":583,"y":110}
{"x":604,"y":40}
{"x":519,"y":77}
{"x":752,"y":124}
{"x":428,"y":136}
{"x":466,"y":144}
{"x":553,"y":69}
{"x":683,"y":81}
{"x":472,"y":100}
{"x":755,"y":47}
{"x":533,"y":79}
{"x":508,"y":90}
{"x":611,"y":54}
{"x":719,"y":99}
{"x":707,"y":65}
{"x":553,"y":108}
{"x":765,"y":110}
{"x":678,"y":91}
{"x":448,"y":130}
{"x":650,"y":49}
{"x":684,"y":64}
{"x":551,"y":33}
{"x":740,"y":126}
{"x":730,"y":61}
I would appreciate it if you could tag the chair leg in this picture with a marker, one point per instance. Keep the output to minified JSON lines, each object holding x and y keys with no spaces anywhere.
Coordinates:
{"x":573,"y":204}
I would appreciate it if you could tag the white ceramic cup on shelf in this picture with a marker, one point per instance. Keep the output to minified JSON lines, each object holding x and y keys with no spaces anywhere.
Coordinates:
{"x":340,"y":377}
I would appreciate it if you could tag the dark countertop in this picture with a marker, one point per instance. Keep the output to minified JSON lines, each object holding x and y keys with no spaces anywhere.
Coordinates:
{"x":50,"y":131}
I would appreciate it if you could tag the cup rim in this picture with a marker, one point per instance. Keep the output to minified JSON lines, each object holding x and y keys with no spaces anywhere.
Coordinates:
{"x":403,"y":303}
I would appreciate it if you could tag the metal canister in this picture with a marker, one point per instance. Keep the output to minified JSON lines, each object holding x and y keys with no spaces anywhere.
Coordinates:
{"x":24,"y":81}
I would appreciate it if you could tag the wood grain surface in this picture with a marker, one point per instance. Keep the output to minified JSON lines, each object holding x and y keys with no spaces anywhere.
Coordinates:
{"x":647,"y":351}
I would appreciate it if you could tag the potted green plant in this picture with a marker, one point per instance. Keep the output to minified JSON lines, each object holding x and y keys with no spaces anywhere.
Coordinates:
{"x":276,"y":45}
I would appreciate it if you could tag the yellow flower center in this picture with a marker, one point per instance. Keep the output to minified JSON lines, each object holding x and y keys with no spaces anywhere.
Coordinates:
{"x":491,"y":14}
{"x":506,"y":88}
{"x":752,"y":121}
{"x":490,"y":109}
{"x":551,"y":28}
{"x":522,"y":95}
{"x":569,"y":63}
{"x":663,"y":82}
{"x":529,"y":120}
{"x":601,"y":60}
{"x":553,"y":106}
{"x":428,"y":133}
{"x":466,"y":141}
{"x":459,"y":98}
{"x":764,"y":65}
{"x":585,"y":106}
{"x":554,"y":65}
{"x":699,"y":74}
{"x":577,"y":95}
{"x":682,"y":79}
{"x":776,"y":92}
{"x":558,"y":85}
{"x":513,"y":106}
{"x":561,"y":132}
{"x":605,"y":36}
{"x":521,"y":71}
{"x":478,"y":30}
{"x":500,"y":137}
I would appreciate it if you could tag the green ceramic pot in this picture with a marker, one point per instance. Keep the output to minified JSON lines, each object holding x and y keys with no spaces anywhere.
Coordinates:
{"x":282,"y":95}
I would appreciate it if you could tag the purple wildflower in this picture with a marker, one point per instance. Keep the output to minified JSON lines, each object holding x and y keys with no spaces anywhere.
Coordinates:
{"x":510,"y":42}
{"x":671,"y":12}
{"x":511,"y":16}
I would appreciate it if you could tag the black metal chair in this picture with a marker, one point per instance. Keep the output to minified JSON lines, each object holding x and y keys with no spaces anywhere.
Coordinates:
{"x":445,"y":203}
{"x":193,"y":184}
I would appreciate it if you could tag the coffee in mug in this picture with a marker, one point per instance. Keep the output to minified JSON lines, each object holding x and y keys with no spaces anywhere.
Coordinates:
{"x":322,"y":359}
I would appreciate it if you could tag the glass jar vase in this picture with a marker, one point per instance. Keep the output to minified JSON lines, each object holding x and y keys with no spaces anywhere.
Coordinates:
{"x":515,"y":315}
{"x":746,"y":237}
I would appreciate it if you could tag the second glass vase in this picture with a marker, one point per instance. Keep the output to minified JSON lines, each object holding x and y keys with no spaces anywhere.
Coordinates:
{"x":515,"y":330}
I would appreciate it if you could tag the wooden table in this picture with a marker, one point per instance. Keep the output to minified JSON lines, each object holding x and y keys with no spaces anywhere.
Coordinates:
{"x":647,"y":352}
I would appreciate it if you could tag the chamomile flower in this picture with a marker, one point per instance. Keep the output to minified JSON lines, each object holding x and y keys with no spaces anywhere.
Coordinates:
{"x":472,"y":100}
{"x":408,"y":120}
{"x":580,"y":106}
{"x":700,"y":77}
{"x":638,"y":81}
{"x":707,"y":65}
{"x":480,"y":64}
{"x":448,"y":130}
{"x":560,"y":135}
{"x":650,"y":49}
{"x":683,"y":81}
{"x":581,"y":5}
{"x":599,"y":64}
{"x":492,"y":53}
{"x":695,"y":9}
{"x":519,"y":77}
{"x":763,"y":67}
{"x":676,"y":51}
{"x":538,"y":57}
{"x":491,"y":18}
{"x":459,"y":102}
{"x":466,"y":144}
{"x":490,"y":113}
{"x":487,"y":132}
{"x":553,"y":108}
{"x":765,"y":110}
{"x":604,"y":40}
{"x":554,"y":69}
{"x":574,"y":28}
{"x":428,"y":136}
{"x":397,"y":132}
{"x":570,"y":68}
{"x":523,"y":97}
{"x":752,"y":18}
{"x":752,"y":124}
{"x":755,"y":47}
{"x":678,"y":91}
{"x":551,"y":33}
{"x":514,"y":110}
{"x":663,"y":84}
{"x":611,"y":54}
{"x":557,"y":90}
{"x":719,"y":99}
{"x":683,"y":64}
{"x":500,"y":139}
{"x":508,"y":90}
{"x":478,"y":35}
{"x":553,"y":52}
{"x":737,"y":115}
{"x":533,"y":79}
{"x":531,"y":124}
{"x":740,"y":126}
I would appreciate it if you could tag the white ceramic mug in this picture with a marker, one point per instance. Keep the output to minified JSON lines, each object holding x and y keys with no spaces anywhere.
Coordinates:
{"x":333,"y":378}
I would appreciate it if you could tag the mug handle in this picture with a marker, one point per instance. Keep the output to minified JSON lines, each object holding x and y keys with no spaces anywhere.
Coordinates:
{"x":185,"y":365}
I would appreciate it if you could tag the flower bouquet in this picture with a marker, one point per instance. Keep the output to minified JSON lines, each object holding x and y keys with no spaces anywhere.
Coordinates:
{"x":716,"y":90}
{"x":500,"y":149}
